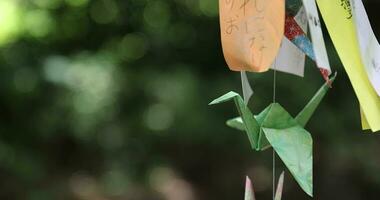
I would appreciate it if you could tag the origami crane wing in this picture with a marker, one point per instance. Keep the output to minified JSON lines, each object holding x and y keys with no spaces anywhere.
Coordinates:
{"x":304,"y":116}
{"x":292,"y":143}
{"x":294,"y":146}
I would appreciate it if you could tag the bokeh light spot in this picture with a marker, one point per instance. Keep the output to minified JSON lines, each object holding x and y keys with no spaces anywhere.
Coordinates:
{"x":116,"y":181}
{"x":25,"y":80}
{"x":77,"y":3}
{"x":157,"y":14}
{"x":10,"y":21}
{"x":167,"y":182}
{"x":133,"y":46}
{"x":55,"y":67}
{"x":209,"y":8}
{"x":50,"y":4}
{"x":159,"y":117}
{"x":111,"y":139}
{"x":182,"y":35}
{"x":39,"y":23}
{"x":74,"y":23}
{"x":104,"y":11}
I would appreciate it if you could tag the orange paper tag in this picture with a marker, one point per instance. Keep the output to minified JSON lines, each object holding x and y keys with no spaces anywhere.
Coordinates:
{"x":251,"y":32}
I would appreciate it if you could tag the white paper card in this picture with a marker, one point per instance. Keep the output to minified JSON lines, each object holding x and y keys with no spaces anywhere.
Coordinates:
{"x":369,"y":46}
{"x":316,"y":35}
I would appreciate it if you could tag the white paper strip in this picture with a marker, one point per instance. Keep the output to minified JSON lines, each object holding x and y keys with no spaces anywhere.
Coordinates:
{"x":316,"y":35}
{"x":246,"y":87}
{"x":369,"y":46}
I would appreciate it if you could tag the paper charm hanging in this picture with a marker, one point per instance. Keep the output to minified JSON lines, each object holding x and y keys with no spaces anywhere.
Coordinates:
{"x":250,"y":193}
{"x":290,"y":58}
{"x":369,"y":46}
{"x":317,"y":37}
{"x":275,"y":127}
{"x":338,"y":17}
{"x":251,"y":32}
{"x":296,"y":33}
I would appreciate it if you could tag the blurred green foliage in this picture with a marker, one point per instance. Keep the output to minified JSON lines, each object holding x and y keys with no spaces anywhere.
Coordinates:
{"x":107,"y":99}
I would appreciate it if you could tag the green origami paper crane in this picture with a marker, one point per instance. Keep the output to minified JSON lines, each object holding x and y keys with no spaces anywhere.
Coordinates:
{"x":275,"y":127}
{"x":250,"y":194}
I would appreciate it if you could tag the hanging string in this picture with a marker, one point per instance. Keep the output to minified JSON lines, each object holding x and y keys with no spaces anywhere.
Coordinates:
{"x":274,"y":172}
{"x":273,"y":152}
{"x":274,"y":83}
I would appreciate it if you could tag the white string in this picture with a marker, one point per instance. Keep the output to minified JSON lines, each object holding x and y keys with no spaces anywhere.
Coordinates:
{"x":274,"y":84}
{"x":273,"y":152}
{"x":274,"y":172}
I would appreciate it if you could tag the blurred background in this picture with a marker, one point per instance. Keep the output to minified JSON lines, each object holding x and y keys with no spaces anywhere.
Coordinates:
{"x":108,"y":100}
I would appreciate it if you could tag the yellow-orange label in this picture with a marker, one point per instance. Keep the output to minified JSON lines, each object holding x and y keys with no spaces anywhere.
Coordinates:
{"x":251,"y":32}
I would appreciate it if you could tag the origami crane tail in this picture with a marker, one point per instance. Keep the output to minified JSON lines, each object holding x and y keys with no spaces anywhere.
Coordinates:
{"x":304,"y":116}
{"x":280,"y":186}
{"x":249,"y":191}
{"x":251,"y":126}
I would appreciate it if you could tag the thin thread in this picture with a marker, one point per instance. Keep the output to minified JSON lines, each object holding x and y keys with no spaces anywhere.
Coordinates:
{"x":273,"y":152}
{"x":274,"y":172}
{"x":274,"y":83}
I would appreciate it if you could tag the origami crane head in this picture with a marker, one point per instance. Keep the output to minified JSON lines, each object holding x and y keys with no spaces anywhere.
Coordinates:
{"x":275,"y":127}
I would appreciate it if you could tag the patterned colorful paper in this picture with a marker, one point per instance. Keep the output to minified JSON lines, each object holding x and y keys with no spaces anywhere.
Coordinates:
{"x":290,"y":58}
{"x":298,"y":37}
